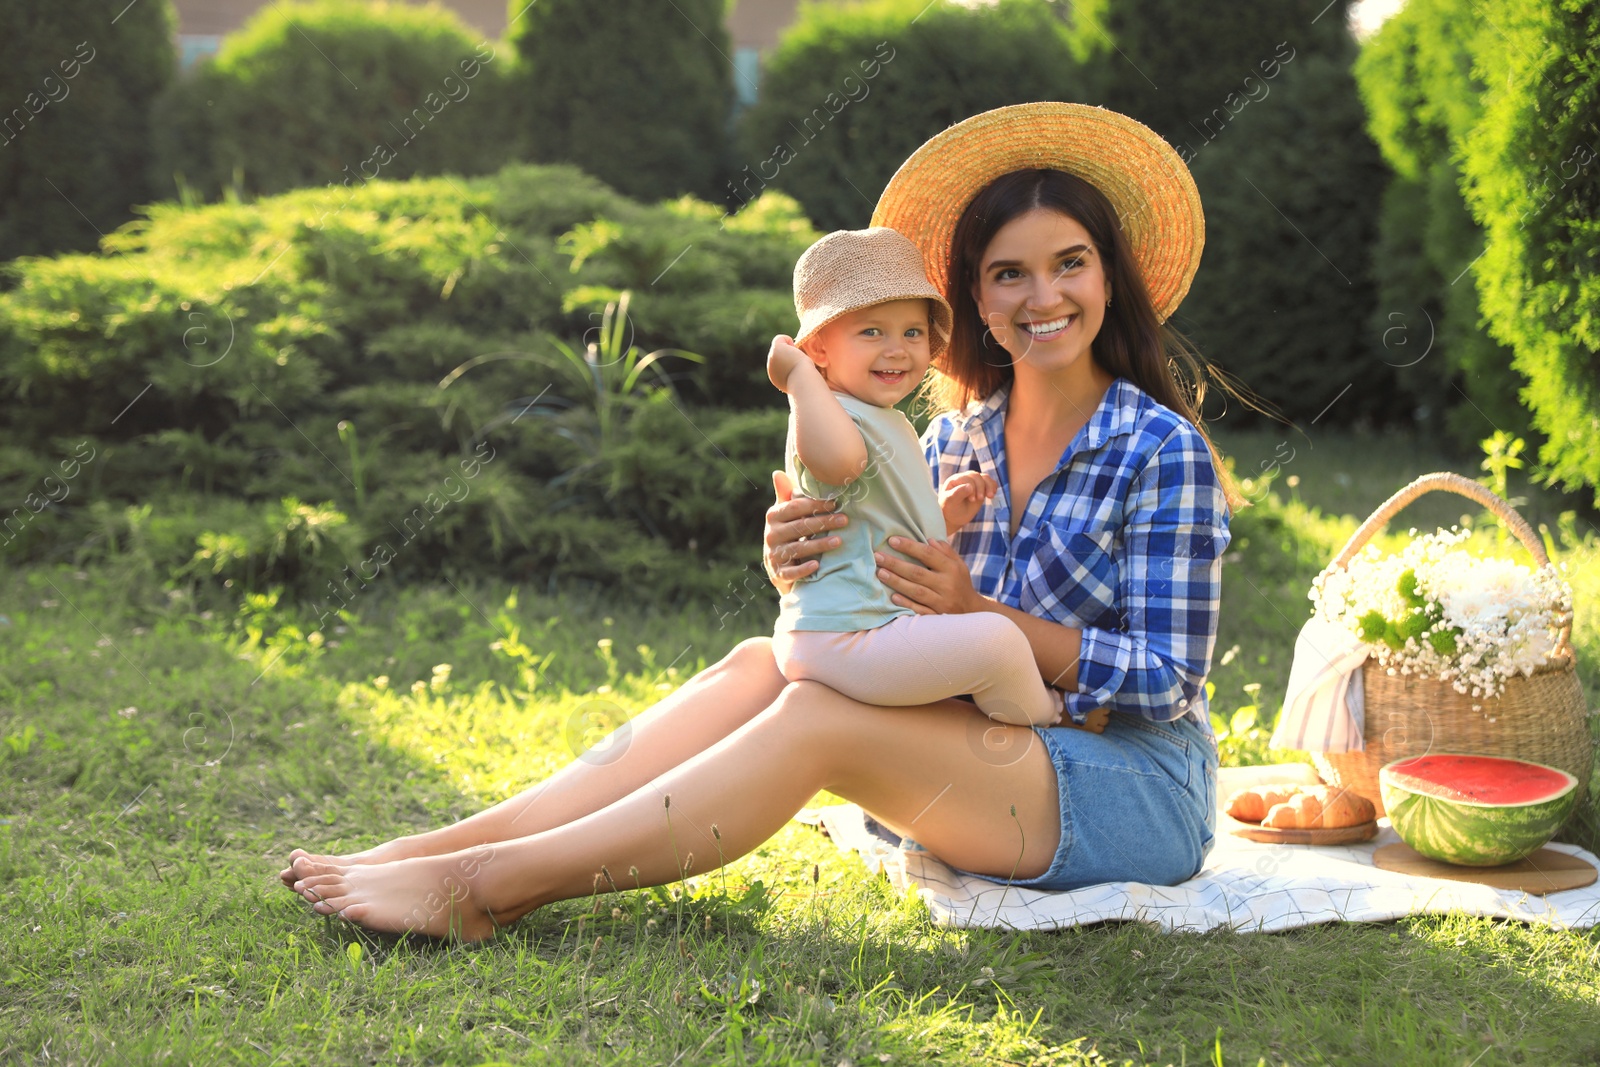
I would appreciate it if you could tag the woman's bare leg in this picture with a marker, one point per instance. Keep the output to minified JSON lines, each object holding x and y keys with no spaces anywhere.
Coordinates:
{"x":945,"y":776}
{"x":703,"y":711}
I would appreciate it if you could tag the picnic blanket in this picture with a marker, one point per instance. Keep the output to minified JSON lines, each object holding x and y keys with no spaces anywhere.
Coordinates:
{"x":1245,"y":885}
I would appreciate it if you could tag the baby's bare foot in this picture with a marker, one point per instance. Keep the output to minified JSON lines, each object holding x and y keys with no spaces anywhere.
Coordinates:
{"x":442,"y":896}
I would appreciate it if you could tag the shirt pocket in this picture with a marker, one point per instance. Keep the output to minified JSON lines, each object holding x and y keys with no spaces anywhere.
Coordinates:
{"x":1071,"y":578}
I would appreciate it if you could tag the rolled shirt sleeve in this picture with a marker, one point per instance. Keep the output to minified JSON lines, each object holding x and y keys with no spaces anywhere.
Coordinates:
{"x":1168,"y":590}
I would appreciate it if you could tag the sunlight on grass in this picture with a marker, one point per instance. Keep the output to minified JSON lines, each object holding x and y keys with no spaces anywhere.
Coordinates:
{"x":490,"y":740}
{"x":162,"y":748}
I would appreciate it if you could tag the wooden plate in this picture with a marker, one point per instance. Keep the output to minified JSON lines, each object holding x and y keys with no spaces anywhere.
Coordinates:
{"x":1338,"y":835}
{"x":1544,"y":871}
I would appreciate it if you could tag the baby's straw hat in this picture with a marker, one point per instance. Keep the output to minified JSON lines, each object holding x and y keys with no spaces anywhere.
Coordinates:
{"x":851,"y":269}
{"x":1144,"y":178}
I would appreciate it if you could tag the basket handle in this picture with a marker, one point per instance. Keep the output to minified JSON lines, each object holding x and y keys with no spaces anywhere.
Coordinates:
{"x":1445,"y":481}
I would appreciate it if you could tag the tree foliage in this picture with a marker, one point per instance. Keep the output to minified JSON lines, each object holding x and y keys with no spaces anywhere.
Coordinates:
{"x":634,"y":93}
{"x":852,"y":90}
{"x":330,"y":92}
{"x":74,"y":138}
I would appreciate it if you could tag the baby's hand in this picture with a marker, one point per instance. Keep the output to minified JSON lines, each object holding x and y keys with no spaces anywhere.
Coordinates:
{"x":962,"y":497}
{"x":1095,"y":722}
{"x":782,"y":361}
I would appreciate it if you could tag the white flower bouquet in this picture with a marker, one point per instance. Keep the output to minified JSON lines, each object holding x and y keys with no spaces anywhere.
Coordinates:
{"x":1434,"y":609}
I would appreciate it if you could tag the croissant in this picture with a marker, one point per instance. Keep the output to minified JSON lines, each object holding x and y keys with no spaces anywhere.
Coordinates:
{"x":1321,"y":808}
{"x":1251,"y":805}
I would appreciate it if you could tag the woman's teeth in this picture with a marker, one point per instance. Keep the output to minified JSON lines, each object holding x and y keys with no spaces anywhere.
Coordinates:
{"x":1044,"y":331}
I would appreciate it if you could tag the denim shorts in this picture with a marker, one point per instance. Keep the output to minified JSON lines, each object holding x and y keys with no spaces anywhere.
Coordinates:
{"x":1138,"y":803}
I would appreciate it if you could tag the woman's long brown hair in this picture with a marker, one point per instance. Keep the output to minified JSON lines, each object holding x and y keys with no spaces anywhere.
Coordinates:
{"x":1132,"y":342}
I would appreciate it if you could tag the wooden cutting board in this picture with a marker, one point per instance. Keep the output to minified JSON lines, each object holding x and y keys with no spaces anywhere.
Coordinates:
{"x":1338,"y":835}
{"x":1544,"y":871}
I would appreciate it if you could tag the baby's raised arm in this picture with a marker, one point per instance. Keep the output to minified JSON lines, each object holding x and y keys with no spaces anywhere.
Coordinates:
{"x":825,"y":438}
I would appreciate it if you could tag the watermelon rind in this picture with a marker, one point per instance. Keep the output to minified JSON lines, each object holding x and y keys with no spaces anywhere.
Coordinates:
{"x":1471,"y":833}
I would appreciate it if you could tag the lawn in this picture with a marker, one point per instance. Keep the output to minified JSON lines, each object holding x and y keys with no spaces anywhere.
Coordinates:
{"x":163,"y":746}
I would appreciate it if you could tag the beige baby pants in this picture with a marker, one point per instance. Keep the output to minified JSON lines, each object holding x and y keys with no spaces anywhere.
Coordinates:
{"x":917,"y":659}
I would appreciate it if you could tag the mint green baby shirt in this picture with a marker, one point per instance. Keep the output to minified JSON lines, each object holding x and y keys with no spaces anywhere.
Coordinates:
{"x":894,"y":496}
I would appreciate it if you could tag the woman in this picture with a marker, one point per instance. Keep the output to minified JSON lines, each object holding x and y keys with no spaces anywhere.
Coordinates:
{"x":1104,"y":545}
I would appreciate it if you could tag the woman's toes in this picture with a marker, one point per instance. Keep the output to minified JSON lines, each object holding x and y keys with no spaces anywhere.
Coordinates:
{"x":310,"y":866}
{"x":320,"y":881}
{"x":330,"y":896}
{"x":355,"y":912}
{"x":287,"y":874}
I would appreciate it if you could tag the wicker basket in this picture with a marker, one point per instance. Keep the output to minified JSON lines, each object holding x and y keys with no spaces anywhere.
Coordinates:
{"x":1540,"y":717}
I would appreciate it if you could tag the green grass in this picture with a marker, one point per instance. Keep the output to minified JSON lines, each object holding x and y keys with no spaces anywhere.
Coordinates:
{"x":161,"y":750}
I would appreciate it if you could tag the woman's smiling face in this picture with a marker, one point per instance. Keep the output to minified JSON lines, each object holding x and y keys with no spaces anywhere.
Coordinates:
{"x":1042,"y":290}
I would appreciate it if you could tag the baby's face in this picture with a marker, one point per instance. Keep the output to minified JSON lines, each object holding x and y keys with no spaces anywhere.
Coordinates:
{"x":877,"y":354}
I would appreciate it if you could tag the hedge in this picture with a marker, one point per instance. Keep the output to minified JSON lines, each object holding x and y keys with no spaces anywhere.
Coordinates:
{"x":851,"y":91}
{"x":1532,"y":176}
{"x":1422,"y":98}
{"x":330,"y":92}
{"x":77,"y":86}
{"x":637,"y":94}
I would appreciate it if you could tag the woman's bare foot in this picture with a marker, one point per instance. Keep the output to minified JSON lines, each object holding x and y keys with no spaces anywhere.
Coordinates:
{"x":400,"y":848}
{"x":442,"y":896}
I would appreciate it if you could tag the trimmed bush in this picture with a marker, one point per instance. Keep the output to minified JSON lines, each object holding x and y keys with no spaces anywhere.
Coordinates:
{"x":632,"y":92}
{"x":852,"y":90}
{"x":1532,"y":176}
{"x":1415,"y":76}
{"x":1271,"y":126}
{"x":76,"y":89}
{"x":335,"y":93}
{"x":1282,"y":300}
{"x":1187,"y":70}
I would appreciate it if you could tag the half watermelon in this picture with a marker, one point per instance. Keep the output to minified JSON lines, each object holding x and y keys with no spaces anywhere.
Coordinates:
{"x":1476,"y":811}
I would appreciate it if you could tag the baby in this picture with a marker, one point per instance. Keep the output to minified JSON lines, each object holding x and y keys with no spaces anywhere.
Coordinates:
{"x":870,"y":325}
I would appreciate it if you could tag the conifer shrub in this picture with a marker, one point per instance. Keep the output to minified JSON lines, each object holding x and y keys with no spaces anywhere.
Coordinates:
{"x":408,"y":363}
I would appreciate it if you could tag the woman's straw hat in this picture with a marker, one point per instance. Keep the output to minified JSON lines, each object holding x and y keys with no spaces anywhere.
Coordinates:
{"x":1143,"y":177}
{"x":851,"y":269}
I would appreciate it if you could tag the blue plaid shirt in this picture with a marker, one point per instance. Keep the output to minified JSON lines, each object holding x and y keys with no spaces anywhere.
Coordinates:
{"x":1123,"y":540}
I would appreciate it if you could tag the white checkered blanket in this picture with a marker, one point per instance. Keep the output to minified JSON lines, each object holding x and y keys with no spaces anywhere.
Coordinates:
{"x":1245,"y":885}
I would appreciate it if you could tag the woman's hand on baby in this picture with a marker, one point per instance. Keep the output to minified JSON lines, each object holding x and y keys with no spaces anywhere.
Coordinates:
{"x":783,"y":359}
{"x":789,"y":521}
{"x":963,"y":495}
{"x":938,"y":583}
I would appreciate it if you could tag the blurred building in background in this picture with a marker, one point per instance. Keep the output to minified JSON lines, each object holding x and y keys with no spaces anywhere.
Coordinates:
{"x":754,"y":28}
